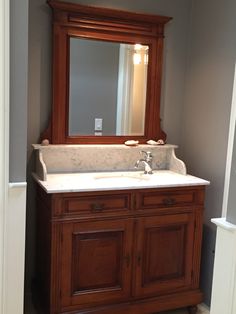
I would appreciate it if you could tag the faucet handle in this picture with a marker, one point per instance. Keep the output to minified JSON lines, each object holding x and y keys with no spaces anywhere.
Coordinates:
{"x":148,"y":154}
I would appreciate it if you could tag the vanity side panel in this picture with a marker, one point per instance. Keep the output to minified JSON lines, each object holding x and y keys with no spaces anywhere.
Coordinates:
{"x":48,"y":256}
{"x":44,"y":248}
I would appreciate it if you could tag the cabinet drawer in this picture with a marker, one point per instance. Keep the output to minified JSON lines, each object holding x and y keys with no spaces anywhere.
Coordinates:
{"x":97,"y":204}
{"x":165,"y":199}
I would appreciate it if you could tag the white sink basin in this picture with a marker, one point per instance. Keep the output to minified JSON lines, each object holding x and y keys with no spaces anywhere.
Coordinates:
{"x":123,"y":177}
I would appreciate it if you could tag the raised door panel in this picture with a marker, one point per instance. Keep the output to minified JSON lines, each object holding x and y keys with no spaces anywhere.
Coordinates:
{"x":164,"y":253}
{"x":96,"y":260}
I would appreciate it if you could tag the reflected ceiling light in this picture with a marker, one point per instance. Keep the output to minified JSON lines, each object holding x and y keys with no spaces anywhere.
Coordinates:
{"x":138,"y":46}
{"x":140,"y":52}
{"x":136,"y":58}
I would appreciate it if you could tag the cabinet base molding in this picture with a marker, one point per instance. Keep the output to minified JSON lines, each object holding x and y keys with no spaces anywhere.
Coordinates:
{"x":147,"y":306}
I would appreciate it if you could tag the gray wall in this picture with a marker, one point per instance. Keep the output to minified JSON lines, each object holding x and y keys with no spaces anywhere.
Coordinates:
{"x":94,"y":69}
{"x":18,"y":89}
{"x":39,"y":108}
{"x":40,"y":82}
{"x":206,"y":111}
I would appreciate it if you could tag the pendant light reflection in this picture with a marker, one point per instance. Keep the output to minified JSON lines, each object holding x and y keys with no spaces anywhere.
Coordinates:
{"x":137,"y":58}
{"x":140,"y":54}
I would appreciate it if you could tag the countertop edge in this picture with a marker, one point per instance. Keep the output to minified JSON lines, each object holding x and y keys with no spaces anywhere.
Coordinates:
{"x":49,"y":190}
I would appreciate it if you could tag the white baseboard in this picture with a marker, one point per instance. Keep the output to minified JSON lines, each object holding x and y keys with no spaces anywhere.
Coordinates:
{"x":223,"y":300}
{"x":203,"y":309}
{"x":14,"y":249}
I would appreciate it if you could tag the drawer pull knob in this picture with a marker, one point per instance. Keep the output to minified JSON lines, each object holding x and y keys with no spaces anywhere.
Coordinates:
{"x":139,"y":259}
{"x":97,"y":207}
{"x":127,"y":260}
{"x":169,"y":201}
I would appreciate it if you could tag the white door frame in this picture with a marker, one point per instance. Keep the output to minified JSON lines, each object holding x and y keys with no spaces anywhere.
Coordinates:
{"x":229,"y":149}
{"x":4,"y":138}
{"x":12,"y":195}
{"x":224,"y":284}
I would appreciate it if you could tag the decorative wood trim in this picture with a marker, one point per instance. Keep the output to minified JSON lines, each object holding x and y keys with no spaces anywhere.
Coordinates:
{"x":147,"y":305}
{"x":106,"y":13}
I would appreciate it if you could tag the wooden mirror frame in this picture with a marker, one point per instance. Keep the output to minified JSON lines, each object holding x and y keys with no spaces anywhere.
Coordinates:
{"x":112,"y":25}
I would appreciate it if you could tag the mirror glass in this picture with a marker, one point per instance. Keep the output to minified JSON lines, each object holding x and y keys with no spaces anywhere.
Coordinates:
{"x":107,"y":89}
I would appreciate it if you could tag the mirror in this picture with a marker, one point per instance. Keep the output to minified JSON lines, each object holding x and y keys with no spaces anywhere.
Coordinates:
{"x":107,"y":93}
{"x":107,"y":68}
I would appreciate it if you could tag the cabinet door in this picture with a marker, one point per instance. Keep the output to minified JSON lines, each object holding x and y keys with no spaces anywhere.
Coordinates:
{"x":96,"y":262}
{"x":164,"y":253}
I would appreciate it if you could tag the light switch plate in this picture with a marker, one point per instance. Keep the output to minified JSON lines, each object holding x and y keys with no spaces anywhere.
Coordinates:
{"x":98,"y":124}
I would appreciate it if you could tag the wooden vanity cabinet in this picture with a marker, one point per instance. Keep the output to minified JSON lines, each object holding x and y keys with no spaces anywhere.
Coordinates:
{"x":113,"y":252}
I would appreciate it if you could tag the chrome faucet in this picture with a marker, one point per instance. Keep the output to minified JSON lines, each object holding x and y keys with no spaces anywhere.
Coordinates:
{"x":147,"y":161}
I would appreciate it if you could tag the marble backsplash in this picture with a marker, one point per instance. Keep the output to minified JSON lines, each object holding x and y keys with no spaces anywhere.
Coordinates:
{"x":93,"y":158}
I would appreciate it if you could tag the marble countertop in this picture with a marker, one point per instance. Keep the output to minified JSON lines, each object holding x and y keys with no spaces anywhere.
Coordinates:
{"x":104,"y":181}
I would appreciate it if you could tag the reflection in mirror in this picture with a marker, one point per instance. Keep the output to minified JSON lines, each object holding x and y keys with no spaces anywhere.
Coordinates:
{"x":108,"y":82}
